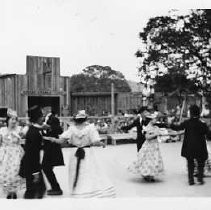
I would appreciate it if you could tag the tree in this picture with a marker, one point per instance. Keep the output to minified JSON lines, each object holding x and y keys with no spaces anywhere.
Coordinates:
{"x":175,"y":84}
{"x":99,"y":79}
{"x":177,"y":43}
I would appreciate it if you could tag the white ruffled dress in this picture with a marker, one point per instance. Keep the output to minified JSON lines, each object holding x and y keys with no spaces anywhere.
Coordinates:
{"x":92,"y":180}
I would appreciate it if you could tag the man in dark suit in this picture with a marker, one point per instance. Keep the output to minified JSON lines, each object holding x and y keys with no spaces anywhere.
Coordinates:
{"x":138,"y":123}
{"x":31,"y":167}
{"x":52,"y":154}
{"x":194,"y":145}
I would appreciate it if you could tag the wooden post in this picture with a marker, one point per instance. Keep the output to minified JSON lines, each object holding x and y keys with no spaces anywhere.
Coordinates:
{"x":52,"y":74}
{"x":182,"y":110}
{"x":112,"y":100}
{"x":112,"y":106}
{"x":67,"y":91}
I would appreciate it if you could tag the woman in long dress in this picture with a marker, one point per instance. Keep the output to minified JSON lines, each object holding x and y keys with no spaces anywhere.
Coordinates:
{"x":86,"y":177}
{"x":149,"y":164}
{"x":11,"y":154}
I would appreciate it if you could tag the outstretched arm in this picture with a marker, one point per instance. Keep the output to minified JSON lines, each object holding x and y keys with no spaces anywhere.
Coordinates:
{"x":130,"y":126}
{"x":56,"y":140}
{"x":98,"y":144}
{"x":178,"y":127}
{"x":152,"y":135}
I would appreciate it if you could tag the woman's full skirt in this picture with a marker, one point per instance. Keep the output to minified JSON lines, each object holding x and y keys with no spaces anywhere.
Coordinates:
{"x":92,"y":180}
{"x":149,"y":161}
{"x":10,"y":159}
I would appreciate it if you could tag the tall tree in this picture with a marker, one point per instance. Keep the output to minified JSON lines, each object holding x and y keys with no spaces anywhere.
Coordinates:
{"x":99,"y":79}
{"x":177,"y":44}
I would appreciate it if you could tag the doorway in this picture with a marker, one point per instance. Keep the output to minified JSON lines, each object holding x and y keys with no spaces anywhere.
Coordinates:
{"x":45,"y":101}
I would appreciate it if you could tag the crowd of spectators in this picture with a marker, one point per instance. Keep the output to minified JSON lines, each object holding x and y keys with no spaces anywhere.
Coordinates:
{"x":108,"y":125}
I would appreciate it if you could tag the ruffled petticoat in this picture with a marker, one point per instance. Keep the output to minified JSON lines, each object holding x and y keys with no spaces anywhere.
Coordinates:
{"x":92,"y":181}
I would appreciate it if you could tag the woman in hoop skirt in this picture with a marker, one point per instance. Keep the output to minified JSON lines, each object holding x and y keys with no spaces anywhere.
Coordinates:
{"x":86,"y":177}
{"x":149,"y":164}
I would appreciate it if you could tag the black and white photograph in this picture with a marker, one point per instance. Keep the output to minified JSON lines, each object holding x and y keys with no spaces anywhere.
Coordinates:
{"x":104,"y":100}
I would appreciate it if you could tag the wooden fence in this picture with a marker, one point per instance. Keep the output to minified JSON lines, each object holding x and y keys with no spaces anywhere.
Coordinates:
{"x":113,"y":131}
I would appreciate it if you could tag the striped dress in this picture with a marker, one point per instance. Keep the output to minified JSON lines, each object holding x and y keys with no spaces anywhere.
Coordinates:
{"x":92,"y":181}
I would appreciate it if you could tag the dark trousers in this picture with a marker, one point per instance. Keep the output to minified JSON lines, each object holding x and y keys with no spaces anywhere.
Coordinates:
{"x":34,"y":190}
{"x":200,"y":168}
{"x":48,"y":171}
{"x":139,"y":144}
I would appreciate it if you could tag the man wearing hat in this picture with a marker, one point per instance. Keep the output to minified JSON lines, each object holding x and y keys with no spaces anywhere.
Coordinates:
{"x":138,"y":123}
{"x":31,"y":167}
{"x":194,"y":147}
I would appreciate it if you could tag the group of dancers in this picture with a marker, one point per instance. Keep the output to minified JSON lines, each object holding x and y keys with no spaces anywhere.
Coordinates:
{"x":149,"y":163}
{"x":21,"y":165}
{"x":20,"y":159}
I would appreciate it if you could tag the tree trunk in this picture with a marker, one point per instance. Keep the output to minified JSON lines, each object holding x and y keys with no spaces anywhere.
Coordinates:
{"x":182,"y":110}
{"x":165,"y":100}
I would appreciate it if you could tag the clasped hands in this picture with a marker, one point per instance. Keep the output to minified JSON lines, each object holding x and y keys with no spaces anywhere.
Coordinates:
{"x":56,"y":140}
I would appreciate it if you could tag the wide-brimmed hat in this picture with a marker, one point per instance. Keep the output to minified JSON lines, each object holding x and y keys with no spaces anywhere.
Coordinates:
{"x":81,"y":115}
{"x":151,"y":115}
{"x":11,"y":113}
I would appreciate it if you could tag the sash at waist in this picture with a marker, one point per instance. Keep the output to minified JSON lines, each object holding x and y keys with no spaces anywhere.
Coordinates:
{"x":80,"y":154}
{"x":74,"y":146}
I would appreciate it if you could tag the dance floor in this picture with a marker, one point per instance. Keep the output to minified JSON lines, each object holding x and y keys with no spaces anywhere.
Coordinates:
{"x":115,"y":160}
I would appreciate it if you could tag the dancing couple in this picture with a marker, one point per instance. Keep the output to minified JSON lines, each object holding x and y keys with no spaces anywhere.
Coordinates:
{"x":86,"y":176}
{"x":149,"y":163}
{"x":20,"y":164}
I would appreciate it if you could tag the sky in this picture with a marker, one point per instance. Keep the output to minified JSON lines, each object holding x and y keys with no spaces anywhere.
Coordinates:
{"x":80,"y":32}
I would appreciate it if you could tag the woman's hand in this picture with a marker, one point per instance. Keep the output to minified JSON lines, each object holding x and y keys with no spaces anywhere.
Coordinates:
{"x":45,"y":126}
{"x":151,"y":135}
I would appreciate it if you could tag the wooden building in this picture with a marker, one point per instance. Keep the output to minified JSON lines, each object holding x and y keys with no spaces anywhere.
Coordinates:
{"x":41,"y":85}
{"x":44,"y":86}
{"x":98,"y":103}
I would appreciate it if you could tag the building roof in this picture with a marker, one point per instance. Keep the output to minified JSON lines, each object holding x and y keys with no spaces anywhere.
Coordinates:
{"x":92,"y":93}
{"x":102,"y":93}
{"x":7,"y":75}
